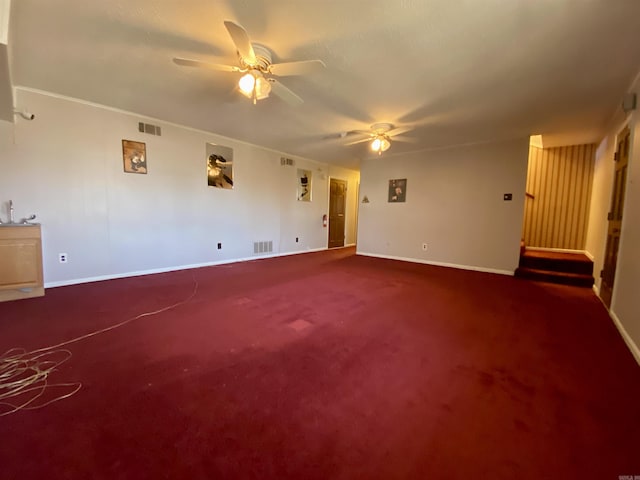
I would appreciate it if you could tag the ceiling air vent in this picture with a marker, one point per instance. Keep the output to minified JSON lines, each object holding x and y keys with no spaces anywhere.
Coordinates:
{"x":148,"y":128}
{"x":286,"y":162}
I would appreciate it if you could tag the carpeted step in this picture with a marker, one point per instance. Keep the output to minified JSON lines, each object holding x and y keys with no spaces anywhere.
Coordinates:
{"x":557,"y":261}
{"x":564,"y":278}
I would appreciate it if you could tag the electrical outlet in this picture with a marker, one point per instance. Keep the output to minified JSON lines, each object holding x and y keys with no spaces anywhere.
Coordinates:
{"x":296,"y":239}
{"x":219,"y":246}
{"x":424,"y":247}
{"x":63,"y":257}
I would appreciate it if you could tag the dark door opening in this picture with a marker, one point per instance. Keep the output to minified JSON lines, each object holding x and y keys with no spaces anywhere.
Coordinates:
{"x":337,"y":207}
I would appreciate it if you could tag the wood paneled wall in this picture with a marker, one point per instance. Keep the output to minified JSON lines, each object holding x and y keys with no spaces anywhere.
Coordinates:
{"x":559,"y":179}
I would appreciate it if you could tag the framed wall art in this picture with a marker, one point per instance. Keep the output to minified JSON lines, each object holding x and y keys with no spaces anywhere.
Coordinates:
{"x":398,"y":190}
{"x":134,"y":156}
{"x":304,"y":185}
{"x":219,"y":166}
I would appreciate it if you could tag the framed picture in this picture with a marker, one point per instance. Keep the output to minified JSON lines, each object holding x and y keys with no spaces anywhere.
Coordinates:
{"x":304,"y":185}
{"x":134,"y":156}
{"x":398,"y":190}
{"x":219,"y":166}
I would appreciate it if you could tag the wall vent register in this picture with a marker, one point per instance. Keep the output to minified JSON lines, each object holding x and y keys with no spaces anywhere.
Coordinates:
{"x":263,"y":247}
{"x":150,"y":129}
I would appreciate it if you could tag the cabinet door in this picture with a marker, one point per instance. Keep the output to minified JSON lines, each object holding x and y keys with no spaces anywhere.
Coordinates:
{"x":19,"y":263}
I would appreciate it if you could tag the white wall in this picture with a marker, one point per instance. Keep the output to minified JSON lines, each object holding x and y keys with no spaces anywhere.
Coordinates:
{"x":66,"y":167}
{"x":625,"y":303}
{"x":454,"y":203}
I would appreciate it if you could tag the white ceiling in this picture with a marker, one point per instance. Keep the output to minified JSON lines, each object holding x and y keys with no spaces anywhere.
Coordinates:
{"x":459,"y":71}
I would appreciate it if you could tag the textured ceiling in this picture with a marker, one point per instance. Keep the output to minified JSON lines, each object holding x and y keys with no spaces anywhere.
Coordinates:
{"x":458,"y":71}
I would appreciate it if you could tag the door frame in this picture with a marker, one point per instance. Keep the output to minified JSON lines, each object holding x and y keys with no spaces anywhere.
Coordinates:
{"x":626,"y":127}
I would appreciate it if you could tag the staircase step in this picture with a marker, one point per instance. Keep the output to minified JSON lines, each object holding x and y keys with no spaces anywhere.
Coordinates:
{"x":564,"y":278}
{"x":557,"y":261}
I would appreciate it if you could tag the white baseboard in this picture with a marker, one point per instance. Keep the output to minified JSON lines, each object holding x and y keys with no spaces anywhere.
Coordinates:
{"x":438,"y":264}
{"x":631,"y":345}
{"x":76,"y":281}
{"x":635,"y":351}
{"x":561,"y":250}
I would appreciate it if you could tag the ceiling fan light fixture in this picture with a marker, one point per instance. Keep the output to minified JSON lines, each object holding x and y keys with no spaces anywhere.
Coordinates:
{"x":246,"y":84}
{"x":253,"y":85}
{"x":380,"y":144}
{"x":263,"y":88}
{"x":254,"y":62}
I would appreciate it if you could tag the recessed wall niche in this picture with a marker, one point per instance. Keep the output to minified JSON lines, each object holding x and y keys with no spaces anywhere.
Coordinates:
{"x":304,"y":185}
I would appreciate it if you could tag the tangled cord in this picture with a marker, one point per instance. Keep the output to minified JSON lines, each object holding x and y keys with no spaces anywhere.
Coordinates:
{"x":24,"y":379}
{"x":24,"y":376}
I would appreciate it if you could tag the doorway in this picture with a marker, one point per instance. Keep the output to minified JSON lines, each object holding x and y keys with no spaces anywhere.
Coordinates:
{"x":337,"y":208}
{"x":615,"y":217}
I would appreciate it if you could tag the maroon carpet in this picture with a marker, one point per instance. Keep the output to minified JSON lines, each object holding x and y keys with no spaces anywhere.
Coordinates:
{"x":327,"y":366}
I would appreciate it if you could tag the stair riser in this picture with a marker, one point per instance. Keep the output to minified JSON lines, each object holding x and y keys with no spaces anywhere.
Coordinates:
{"x":584,"y":268}
{"x":550,"y":277}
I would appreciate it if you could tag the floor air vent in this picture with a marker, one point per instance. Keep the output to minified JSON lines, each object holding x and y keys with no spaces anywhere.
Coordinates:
{"x":263,"y":247}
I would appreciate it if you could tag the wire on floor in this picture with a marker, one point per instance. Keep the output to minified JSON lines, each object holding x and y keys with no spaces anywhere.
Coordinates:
{"x":24,"y":376}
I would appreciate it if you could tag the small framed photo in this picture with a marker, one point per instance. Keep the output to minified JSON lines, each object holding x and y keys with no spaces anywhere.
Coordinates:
{"x":134,"y":156}
{"x":398,"y":190}
{"x":304,"y":185}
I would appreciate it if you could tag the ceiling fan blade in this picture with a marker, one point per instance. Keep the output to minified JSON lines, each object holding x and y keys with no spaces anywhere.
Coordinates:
{"x":360,"y":132}
{"x":401,"y":138}
{"x":241,"y":40}
{"x":362,"y":140}
{"x":187,"y":62}
{"x":284,"y":93}
{"x":297,"y":68}
{"x":399,"y":131}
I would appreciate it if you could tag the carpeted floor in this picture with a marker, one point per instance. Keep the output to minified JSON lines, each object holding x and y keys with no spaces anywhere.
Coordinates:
{"x":327,"y":366}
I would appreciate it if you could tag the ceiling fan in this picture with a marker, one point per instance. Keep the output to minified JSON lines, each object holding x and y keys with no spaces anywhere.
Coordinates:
{"x":380,"y":135}
{"x":255,"y":63}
